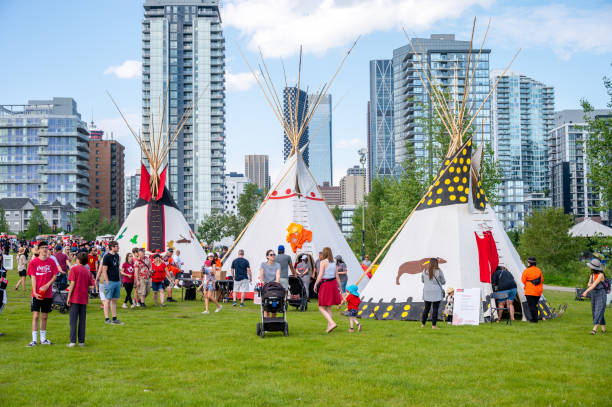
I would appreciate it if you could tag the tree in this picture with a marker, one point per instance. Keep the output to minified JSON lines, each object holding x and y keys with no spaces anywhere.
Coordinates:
{"x":547,"y":239}
{"x":4,"y":226}
{"x":90,"y":224}
{"x":599,"y":149}
{"x":37,"y":225}
{"x":337,"y":212}
{"x":218,"y":225}
{"x":248,"y":203}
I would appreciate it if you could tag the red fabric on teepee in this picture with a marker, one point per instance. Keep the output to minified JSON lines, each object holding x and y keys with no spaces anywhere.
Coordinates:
{"x":145,"y":186}
{"x":162,"y":184}
{"x":488,"y":259}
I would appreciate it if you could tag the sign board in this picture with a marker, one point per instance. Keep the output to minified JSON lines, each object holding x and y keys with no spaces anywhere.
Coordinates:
{"x":8,"y":262}
{"x":466,"y":309}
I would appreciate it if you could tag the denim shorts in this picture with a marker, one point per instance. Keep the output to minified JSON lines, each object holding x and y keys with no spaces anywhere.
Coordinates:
{"x":352,"y":313}
{"x":157,"y":286}
{"x":511,"y":293}
{"x":112,"y":290}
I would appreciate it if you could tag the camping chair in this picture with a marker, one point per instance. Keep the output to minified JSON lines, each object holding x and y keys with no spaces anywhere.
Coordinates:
{"x":500,"y":297}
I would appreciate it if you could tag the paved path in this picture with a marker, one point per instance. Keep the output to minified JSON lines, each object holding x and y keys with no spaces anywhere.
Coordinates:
{"x":558,"y":288}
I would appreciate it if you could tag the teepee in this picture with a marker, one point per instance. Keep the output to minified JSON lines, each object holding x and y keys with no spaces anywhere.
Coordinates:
{"x":155,"y":223}
{"x":294,"y":212}
{"x":453,"y":222}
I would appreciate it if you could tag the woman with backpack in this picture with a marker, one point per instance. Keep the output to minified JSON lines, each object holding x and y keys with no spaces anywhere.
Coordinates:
{"x":533,"y":279}
{"x":597,"y":288}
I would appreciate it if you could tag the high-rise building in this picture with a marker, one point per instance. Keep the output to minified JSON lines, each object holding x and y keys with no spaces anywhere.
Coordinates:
{"x":132,"y":190}
{"x":183,"y":54}
{"x":352,"y":189}
{"x":522,"y":118}
{"x":256,"y":170}
{"x":291,"y":97}
{"x":106,"y":172}
{"x":234,"y":187}
{"x":46,"y":153}
{"x":320,"y":147}
{"x":332,"y":194}
{"x":570,"y":188}
{"x":381,"y":144}
{"x":447,"y":59}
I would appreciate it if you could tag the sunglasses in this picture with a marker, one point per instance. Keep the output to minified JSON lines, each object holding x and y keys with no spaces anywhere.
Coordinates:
{"x":272,"y":254}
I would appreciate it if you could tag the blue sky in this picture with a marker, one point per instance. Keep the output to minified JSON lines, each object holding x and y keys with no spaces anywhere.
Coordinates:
{"x":69,"y":48}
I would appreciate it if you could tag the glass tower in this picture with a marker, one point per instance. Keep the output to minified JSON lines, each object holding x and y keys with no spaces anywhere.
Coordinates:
{"x":522,"y":118}
{"x":320,"y":148}
{"x":446,"y":59}
{"x":183,"y":53}
{"x":381,"y":144}
{"x":44,"y":153}
{"x":290,"y":97}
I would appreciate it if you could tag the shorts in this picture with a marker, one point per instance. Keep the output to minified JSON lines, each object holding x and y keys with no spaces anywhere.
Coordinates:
{"x":241,"y":286}
{"x":511,"y":293}
{"x":112,"y":290}
{"x":352,"y":312}
{"x":43,"y":305}
{"x":166,"y":283}
{"x":284,"y":281}
{"x":210,"y":287}
{"x":23,"y":273}
{"x":157,"y":286}
{"x":144,"y":287}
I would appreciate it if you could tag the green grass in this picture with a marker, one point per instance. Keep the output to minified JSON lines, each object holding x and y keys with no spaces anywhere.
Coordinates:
{"x":176,"y":357}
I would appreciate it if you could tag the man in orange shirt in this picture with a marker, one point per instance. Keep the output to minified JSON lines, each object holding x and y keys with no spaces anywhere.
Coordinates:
{"x":533,"y":279}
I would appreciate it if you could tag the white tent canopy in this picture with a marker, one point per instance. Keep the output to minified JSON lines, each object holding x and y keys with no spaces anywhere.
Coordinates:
{"x":589,"y":228}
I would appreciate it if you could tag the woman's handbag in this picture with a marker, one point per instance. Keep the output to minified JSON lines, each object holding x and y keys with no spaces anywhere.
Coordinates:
{"x":441,"y":289}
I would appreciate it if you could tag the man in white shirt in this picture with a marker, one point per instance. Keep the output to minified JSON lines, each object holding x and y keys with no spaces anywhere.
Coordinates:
{"x":177,"y":259}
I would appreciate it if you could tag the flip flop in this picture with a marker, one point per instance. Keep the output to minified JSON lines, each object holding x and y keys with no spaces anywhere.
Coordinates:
{"x":328,"y":330}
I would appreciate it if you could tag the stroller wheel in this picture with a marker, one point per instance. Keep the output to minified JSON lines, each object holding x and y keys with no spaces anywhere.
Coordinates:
{"x":258,"y":328}
{"x":286,"y":332}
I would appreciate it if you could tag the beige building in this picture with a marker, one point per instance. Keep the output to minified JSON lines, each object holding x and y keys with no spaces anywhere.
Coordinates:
{"x":351,"y":189}
{"x":256,"y":170}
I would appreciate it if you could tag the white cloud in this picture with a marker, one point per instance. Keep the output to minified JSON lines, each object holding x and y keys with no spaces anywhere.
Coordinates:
{"x":350,"y":144}
{"x":239,"y":82}
{"x":279,"y":27}
{"x":127,"y":70}
{"x":563,"y":29}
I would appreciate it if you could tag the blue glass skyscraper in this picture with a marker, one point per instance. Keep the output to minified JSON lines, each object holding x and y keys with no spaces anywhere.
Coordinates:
{"x":381,"y":144}
{"x":320,"y":148}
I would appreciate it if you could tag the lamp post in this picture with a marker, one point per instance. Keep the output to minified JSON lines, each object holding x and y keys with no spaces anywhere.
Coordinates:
{"x":362,"y":159}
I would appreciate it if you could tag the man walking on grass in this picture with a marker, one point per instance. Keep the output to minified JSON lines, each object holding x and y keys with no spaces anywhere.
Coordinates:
{"x":112,"y":282}
{"x":241,"y":271}
{"x":285,"y":264}
{"x":143,"y":273}
{"x":43,"y":272}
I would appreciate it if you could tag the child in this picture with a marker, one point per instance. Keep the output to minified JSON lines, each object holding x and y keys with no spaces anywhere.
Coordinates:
{"x":208,"y":288}
{"x":450,"y":301}
{"x":352,"y":299}
{"x":81,"y":281}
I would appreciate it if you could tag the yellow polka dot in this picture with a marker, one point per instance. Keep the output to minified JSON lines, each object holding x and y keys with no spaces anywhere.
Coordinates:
{"x":390,"y":307}
{"x":359,"y":313}
{"x":461,"y":160}
{"x":376,"y":308}
{"x":429,"y":194}
{"x":481,"y":205}
{"x":446,"y":162}
{"x":469,"y":143}
{"x":464,"y":180}
{"x":371,"y":315}
{"x":385,"y":315}
{"x":462,"y":198}
{"x":429,"y":201}
{"x":464,"y":152}
{"x":456,"y":179}
{"x":404,"y":314}
{"x":458,"y":170}
{"x":479,"y":183}
{"x":477,"y":195}
{"x":460,"y":188}
{"x":407,"y":307}
{"x":437,"y":183}
{"x":364,"y":307}
{"x":486,"y":199}
{"x":439,"y":191}
{"x":481,"y":191}
{"x":438,"y":201}
{"x":467,"y":160}
{"x":467,"y":190}
{"x":451,"y":189}
{"x":452,"y":169}
{"x":447,"y":181}
{"x":455,"y":160}
{"x":464,"y":168}
{"x":452,"y":197}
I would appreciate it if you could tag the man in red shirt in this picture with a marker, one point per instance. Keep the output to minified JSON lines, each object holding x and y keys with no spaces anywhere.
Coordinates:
{"x":81,"y":281}
{"x":43,"y":272}
{"x":92,"y":262}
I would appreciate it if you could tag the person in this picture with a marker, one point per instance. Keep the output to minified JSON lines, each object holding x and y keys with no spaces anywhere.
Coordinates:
{"x":112,"y":283}
{"x":503,"y":282}
{"x":127,"y":273}
{"x":63,"y":262}
{"x":284,"y":260}
{"x":241,"y":272}
{"x":143,"y":276}
{"x":533,"y":279}
{"x":433,"y":293}
{"x":208,"y":286}
{"x":172,"y":270}
{"x":22,"y":267}
{"x":160,"y":273}
{"x":269,"y":271}
{"x":3,"y":285}
{"x":366,"y":261}
{"x":43,"y":272}
{"x":315,"y":271}
{"x":303,"y":272}
{"x":342,"y":273}
{"x":352,"y":299}
{"x":327,"y":287}
{"x":450,"y":304}
{"x":177,"y":260}
{"x":598,"y":295}
{"x":81,"y":281}
{"x":92,"y":261}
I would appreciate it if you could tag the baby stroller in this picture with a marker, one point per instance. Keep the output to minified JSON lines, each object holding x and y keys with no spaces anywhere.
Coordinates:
{"x":273,"y":300}
{"x":297,"y":294}
{"x":60,"y":296}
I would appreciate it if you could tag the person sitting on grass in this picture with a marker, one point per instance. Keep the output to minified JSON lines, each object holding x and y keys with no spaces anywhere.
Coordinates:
{"x":160,"y":273}
{"x":352,"y":299}
{"x":208,"y":287}
{"x":43,"y":272}
{"x":81,"y":281}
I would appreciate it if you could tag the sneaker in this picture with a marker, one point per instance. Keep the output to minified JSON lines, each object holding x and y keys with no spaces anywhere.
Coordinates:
{"x":234,"y":304}
{"x":71,"y":345}
{"x":124,"y":305}
{"x":171,"y":299}
{"x":46,"y":342}
{"x":143,"y":305}
{"x":116,"y":322}
{"x":242,"y":304}
{"x":137,"y":304}
{"x":219,"y":309}
{"x":82,"y":345}
{"x":132,"y":306}
{"x":163,"y":305}
{"x":205,"y":312}
{"x":107,"y":321}
{"x":31,"y":344}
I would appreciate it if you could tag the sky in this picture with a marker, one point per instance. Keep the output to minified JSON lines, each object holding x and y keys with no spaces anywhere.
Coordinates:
{"x":81,"y":49}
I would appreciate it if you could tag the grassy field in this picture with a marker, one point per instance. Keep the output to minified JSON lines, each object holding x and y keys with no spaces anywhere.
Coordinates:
{"x":177,"y":356}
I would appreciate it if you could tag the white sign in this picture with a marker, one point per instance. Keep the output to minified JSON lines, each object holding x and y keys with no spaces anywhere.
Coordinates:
{"x":466,"y":310}
{"x":8,"y":262}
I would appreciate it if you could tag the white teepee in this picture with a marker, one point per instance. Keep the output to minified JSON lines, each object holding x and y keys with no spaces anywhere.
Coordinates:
{"x":453,"y":222}
{"x":155,"y":223}
{"x":293,"y":201}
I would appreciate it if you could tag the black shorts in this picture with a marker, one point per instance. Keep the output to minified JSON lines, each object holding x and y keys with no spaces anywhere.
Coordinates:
{"x":23,"y":273}
{"x":166,"y":283}
{"x":43,"y":305}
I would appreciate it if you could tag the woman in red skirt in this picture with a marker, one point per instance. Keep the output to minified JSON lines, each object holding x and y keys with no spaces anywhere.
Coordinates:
{"x":329,"y":288}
